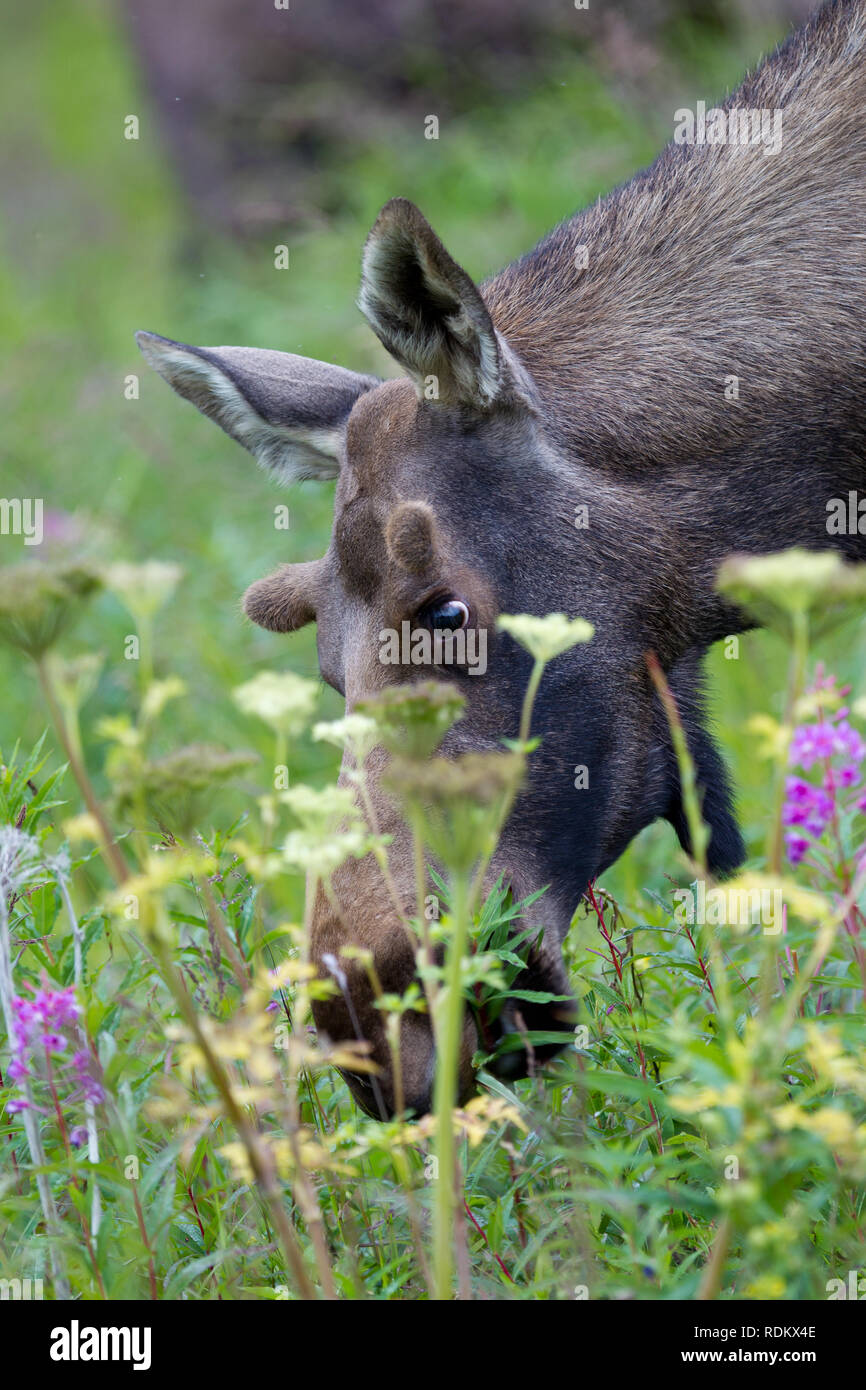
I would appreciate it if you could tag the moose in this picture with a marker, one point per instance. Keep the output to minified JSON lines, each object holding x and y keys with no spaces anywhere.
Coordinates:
{"x":682,"y":365}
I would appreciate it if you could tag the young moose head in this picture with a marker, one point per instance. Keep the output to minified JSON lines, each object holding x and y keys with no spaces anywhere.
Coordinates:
{"x":456,"y":501}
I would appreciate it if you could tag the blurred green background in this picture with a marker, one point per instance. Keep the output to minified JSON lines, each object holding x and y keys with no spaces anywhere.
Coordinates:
{"x":102,"y":235}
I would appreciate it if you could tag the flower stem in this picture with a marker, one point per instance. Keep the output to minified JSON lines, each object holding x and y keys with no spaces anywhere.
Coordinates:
{"x":53,"y":1225}
{"x":449,"y":1028}
{"x":110,"y":850}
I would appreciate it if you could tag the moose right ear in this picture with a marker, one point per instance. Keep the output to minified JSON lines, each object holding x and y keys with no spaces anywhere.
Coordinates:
{"x":286,"y":600}
{"x":289,"y":412}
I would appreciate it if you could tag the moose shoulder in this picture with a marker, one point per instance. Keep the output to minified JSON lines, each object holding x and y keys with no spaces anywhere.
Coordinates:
{"x":680,"y":369}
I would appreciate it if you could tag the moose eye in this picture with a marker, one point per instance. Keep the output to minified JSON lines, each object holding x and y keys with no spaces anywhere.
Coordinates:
{"x":449,"y":615}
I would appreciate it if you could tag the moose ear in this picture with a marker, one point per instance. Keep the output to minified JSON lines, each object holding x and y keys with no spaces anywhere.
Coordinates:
{"x":290,"y":412}
{"x":286,"y":600}
{"x":430,"y":316}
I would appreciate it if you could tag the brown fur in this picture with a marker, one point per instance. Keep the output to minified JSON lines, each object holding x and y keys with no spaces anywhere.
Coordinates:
{"x":410,"y":535}
{"x":555,"y":389}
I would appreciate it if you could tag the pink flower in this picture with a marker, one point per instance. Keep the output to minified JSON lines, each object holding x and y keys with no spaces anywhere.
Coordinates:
{"x":808,"y":809}
{"x":797,"y":847}
{"x":37,"y":1037}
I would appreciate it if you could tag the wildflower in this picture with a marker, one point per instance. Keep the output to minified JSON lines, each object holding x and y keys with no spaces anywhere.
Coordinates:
{"x":39,"y":601}
{"x":783,"y":587}
{"x":74,"y":679}
{"x":283,"y":700}
{"x":88,"y":1084}
{"x":321,"y":809}
{"x":159,"y":693}
{"x":413,"y":719}
{"x":459,"y":800}
{"x":447,"y":784}
{"x":173,"y":786}
{"x":37,"y":1037}
{"x":798,"y":847}
{"x":831,"y":743}
{"x":143,"y":588}
{"x":547,"y":637}
{"x":355,"y":732}
{"x":814,"y":742}
{"x":19,"y":859}
{"x":321,"y":853}
{"x":807,"y":805}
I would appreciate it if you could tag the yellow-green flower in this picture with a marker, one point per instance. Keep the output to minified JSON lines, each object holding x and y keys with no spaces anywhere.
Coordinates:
{"x":282,"y":699}
{"x":321,"y":854}
{"x":321,"y":808}
{"x":457,"y":801}
{"x":158,"y":695}
{"x":413,"y":719}
{"x":547,"y":637}
{"x":74,"y":678}
{"x":143,"y":588}
{"x":38,"y":602}
{"x":172,"y":788}
{"x":785,"y":586}
{"x":355,"y":732}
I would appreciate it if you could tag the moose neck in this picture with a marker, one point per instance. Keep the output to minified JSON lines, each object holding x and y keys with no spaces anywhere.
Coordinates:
{"x":697,"y":338}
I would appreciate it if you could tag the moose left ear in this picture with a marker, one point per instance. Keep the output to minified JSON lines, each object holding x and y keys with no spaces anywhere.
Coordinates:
{"x":430,"y":316}
{"x":290,"y":412}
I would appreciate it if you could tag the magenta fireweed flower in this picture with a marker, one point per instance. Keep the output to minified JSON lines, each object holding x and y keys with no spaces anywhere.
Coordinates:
{"x":834,"y":746}
{"x":38,"y":1044}
{"x":814,"y":743}
{"x":87,"y":1082}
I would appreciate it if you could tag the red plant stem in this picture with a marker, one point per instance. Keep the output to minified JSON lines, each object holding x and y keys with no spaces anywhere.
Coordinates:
{"x":483,"y":1234}
{"x":196,"y":1213}
{"x":85,"y":1224}
{"x":518,"y":1204}
{"x":616,"y":957}
{"x":191,"y":1196}
{"x":154,"y":1291}
{"x":700,"y":960}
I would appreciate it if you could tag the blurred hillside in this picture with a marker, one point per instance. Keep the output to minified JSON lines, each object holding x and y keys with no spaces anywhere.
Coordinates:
{"x":257,"y":103}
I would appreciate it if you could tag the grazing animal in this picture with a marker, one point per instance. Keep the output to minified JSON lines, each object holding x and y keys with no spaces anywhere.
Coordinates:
{"x":681,"y":367}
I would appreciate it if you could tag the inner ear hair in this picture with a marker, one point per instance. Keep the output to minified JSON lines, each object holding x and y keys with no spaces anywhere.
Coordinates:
{"x":427,"y":311}
{"x":410,"y":534}
{"x":290,"y":412}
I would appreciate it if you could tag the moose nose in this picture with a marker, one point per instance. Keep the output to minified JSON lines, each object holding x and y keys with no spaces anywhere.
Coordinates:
{"x":380,"y":1093}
